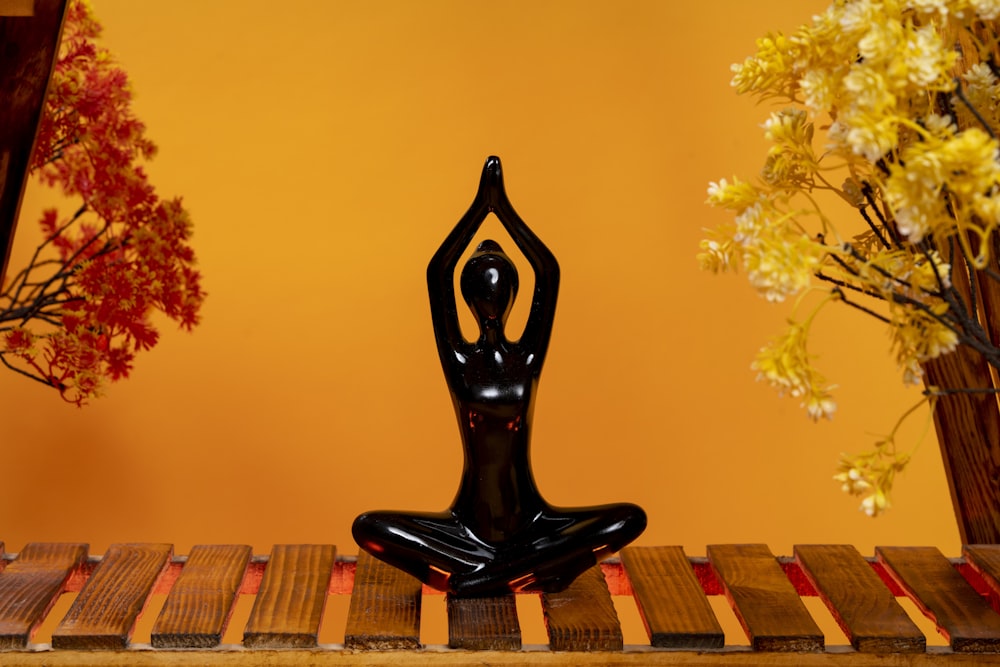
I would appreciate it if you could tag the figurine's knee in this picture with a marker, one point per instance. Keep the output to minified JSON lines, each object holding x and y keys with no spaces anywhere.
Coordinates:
{"x":623,"y":523}
{"x":631,"y":518}
{"x":433,"y":538}
{"x":603,"y":529}
{"x":369,"y":531}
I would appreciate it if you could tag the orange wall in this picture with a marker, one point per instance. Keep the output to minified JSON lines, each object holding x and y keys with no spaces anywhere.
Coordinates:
{"x":324,"y":149}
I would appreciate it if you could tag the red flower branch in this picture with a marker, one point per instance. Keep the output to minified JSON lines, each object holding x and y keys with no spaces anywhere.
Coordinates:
{"x":81,"y":309}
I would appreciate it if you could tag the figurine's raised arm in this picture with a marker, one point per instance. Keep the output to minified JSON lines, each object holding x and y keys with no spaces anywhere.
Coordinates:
{"x":491,"y":197}
{"x":543,"y":262}
{"x":441,"y":269}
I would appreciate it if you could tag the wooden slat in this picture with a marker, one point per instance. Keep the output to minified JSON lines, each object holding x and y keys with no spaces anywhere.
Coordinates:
{"x":944,"y":596}
{"x":484,"y":623}
{"x":385,"y":608}
{"x":28,"y":45}
{"x":583,"y":617}
{"x":104,"y":613}
{"x":671,"y":602}
{"x":199,"y":604}
{"x":292,"y":596}
{"x":984,"y":559}
{"x":771,"y":612}
{"x":864,"y":608}
{"x":31,"y":585}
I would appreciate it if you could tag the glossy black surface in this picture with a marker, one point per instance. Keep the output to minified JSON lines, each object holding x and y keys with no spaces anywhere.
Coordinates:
{"x":499,"y":533}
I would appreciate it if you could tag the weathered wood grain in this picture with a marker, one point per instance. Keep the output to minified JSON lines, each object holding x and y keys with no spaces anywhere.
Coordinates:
{"x":583,"y":617}
{"x":31,"y":585}
{"x":671,"y":601}
{"x":984,"y":559}
{"x":864,"y":608}
{"x":770,"y":610}
{"x":104,"y":613}
{"x":436,"y":657}
{"x":29,"y":44}
{"x":968,"y":423}
{"x":385,"y":608}
{"x":289,"y":606}
{"x":968,"y":428}
{"x":944,"y":596}
{"x":484,"y":623}
{"x":201,"y":600}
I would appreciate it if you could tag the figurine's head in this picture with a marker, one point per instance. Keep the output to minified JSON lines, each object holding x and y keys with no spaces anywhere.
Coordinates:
{"x":489,"y":284}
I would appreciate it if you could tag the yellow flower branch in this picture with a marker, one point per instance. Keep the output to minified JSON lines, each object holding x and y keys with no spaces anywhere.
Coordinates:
{"x":914,"y":126}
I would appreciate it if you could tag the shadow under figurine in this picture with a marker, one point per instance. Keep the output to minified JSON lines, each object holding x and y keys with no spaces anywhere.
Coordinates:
{"x":499,"y":534}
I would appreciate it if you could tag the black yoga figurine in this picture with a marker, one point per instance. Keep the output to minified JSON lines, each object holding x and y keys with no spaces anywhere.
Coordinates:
{"x":499,"y":534}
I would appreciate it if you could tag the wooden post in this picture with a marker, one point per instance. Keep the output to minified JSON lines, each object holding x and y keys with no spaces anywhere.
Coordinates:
{"x":968,"y":424}
{"x":968,"y":429}
{"x":29,"y":43}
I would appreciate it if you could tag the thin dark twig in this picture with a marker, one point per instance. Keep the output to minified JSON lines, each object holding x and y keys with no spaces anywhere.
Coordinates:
{"x":990,"y":273}
{"x":846,"y":285}
{"x":70,"y":262}
{"x":966,"y":319}
{"x":23,"y":372}
{"x":874,"y":228}
{"x":963,"y":390}
{"x":869,"y":194}
{"x":902,"y":299}
{"x":974,"y":301}
{"x":855,"y":255}
{"x":23,"y":273}
{"x":992,"y":64}
{"x":863,"y":309}
{"x":34,"y":258}
{"x":975,"y":112}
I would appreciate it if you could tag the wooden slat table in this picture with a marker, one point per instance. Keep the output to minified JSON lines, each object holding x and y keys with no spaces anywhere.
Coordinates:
{"x":288,"y":591}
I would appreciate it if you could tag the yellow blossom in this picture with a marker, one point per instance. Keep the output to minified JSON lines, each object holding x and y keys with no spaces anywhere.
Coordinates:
{"x":875,"y":504}
{"x":735,"y":196}
{"x":852,"y":480}
{"x":781,"y":266}
{"x":818,"y":88}
{"x":790,"y":161}
{"x":786,"y":365}
{"x":939,"y":126}
{"x":918,"y":336}
{"x":770,"y":68}
{"x":928,"y":59}
{"x":988,"y":10}
{"x":872,"y":474}
{"x":718,"y":255}
{"x":964,"y":166}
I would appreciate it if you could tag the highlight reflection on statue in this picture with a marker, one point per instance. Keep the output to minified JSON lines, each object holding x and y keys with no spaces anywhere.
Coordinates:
{"x":499,"y":533}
